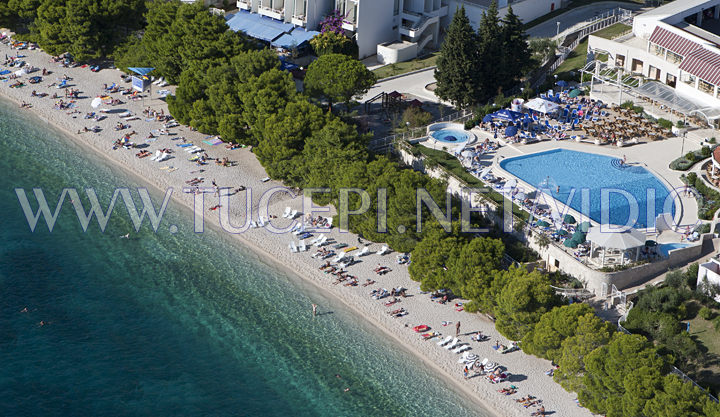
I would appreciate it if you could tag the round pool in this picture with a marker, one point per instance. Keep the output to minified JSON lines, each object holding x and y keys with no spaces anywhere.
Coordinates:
{"x":448,"y":136}
{"x":451,"y":136}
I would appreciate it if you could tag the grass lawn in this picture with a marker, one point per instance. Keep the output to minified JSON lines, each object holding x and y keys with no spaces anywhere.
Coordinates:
{"x":575,"y":60}
{"x":407,"y":66}
{"x":451,"y":163}
{"x":612,"y":31}
{"x":705,"y":333}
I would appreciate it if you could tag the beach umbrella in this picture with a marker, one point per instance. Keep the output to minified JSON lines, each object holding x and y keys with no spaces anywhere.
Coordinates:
{"x":650,"y":243}
{"x":578,"y":236}
{"x":521,"y":195}
{"x":97,"y":101}
{"x":570,"y":243}
{"x":584,"y":227}
{"x":562,"y":232}
{"x":562,"y":83}
{"x":574,"y":93}
{"x":468,"y":153}
{"x":569,"y":219}
{"x":487,"y":118}
{"x":543,"y":223}
{"x":511,"y":131}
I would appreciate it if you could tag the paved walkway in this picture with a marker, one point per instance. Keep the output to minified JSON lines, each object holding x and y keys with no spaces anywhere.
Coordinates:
{"x":413,"y":84}
{"x":549,"y":28}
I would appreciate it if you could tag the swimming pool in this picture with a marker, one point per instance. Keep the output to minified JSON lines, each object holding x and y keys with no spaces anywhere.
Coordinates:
{"x":452,"y":136}
{"x":563,"y":173}
{"x":665,"y":248}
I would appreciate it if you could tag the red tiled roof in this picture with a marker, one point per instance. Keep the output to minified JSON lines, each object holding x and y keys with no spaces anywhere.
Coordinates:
{"x":672,"y":42}
{"x":716,"y":154}
{"x":703,"y":64}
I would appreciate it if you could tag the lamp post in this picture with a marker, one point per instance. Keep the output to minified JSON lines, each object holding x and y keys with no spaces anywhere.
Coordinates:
{"x":558,"y":29}
{"x":682,"y":148}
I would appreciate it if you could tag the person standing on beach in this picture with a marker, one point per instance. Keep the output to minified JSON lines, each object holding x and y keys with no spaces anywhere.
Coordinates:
{"x":314,"y":307}
{"x":465,"y":372}
{"x":457,"y":329}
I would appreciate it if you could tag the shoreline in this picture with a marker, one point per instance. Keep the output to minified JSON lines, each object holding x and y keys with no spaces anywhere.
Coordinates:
{"x":272,"y":248}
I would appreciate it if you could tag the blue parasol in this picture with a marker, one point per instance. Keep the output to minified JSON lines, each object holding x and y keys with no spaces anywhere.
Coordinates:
{"x":511,"y":131}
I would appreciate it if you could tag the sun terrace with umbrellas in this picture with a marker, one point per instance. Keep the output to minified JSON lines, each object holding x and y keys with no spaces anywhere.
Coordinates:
{"x":564,"y":138}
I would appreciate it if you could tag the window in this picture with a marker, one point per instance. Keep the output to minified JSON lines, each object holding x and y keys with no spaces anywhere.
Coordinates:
{"x":657,"y":50}
{"x":620,"y":60}
{"x":673,"y":57}
{"x":688,"y":79}
{"x":671,"y":80}
{"x":637,"y":66}
{"x":654,"y":73}
{"x":706,"y":87}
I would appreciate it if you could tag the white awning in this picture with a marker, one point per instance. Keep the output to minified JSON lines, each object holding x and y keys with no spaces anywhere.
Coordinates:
{"x":542,"y":106}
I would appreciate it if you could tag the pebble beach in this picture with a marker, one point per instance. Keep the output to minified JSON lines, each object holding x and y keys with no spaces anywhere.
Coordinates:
{"x":245,"y":177}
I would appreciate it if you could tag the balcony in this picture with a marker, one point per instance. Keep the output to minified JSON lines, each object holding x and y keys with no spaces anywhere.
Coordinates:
{"x":299,"y":20}
{"x":272,"y":13}
{"x":243,"y":4}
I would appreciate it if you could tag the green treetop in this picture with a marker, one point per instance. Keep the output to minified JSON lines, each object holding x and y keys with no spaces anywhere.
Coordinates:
{"x":338,"y":78}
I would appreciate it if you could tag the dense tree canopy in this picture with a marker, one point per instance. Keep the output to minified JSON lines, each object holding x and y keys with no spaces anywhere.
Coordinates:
{"x":457,"y":72}
{"x":546,"y":338}
{"x":86,"y":29}
{"x":522,"y":301}
{"x":330,"y":42}
{"x":338,"y":77}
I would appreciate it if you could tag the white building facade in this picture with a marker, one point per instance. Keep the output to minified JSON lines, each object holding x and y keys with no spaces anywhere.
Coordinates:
{"x":677,"y":44}
{"x":709,"y":276}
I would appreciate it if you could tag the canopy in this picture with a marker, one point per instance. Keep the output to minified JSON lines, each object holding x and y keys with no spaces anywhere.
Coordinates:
{"x":487,"y":118}
{"x":508,"y":115}
{"x":511,"y":131}
{"x":562,"y":232}
{"x":562,"y":83}
{"x":485,"y":171}
{"x":294,"y":39}
{"x":569,"y":219}
{"x":97,"y":101}
{"x":628,"y":239}
{"x":541,"y":105}
{"x":257,"y":26}
{"x":574,"y":93}
{"x":143,"y":71}
{"x":543,"y":223}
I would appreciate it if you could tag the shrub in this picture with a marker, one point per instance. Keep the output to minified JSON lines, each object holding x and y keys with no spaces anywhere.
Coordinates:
{"x":706,"y":313}
{"x":690,"y":156}
{"x":665,"y":123}
{"x":703,"y":228}
{"x":628,"y":105}
{"x":691,"y":178}
{"x":712,"y":140}
{"x":638,"y":109}
{"x":705,"y":151}
{"x":680,"y":123}
{"x":416,"y":117}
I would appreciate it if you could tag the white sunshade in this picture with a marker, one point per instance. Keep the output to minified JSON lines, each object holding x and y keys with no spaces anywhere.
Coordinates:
{"x":615,"y":239}
{"x":97,"y":101}
{"x":543,"y":106}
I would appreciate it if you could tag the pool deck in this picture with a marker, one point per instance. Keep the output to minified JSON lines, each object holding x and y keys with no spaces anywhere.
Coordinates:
{"x":655,"y":156}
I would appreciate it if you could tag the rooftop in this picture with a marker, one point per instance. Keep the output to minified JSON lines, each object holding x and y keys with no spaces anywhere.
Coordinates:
{"x":678,"y":6}
{"x":709,"y":30}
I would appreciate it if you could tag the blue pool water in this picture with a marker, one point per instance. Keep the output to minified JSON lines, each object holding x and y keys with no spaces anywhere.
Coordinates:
{"x":450,"y":136}
{"x":665,"y":248}
{"x":574,"y":172}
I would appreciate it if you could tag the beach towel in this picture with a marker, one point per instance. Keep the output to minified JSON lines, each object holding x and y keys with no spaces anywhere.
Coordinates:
{"x":184,"y":145}
{"x":5,"y":72}
{"x":215,"y":141}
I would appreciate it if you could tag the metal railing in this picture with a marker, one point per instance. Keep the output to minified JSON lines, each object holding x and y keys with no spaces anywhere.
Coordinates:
{"x":387,"y":143}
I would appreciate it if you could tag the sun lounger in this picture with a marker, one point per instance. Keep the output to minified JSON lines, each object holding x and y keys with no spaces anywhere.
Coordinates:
{"x":453,"y":343}
{"x":266,"y":179}
{"x":261,"y":221}
{"x":462,"y":349}
{"x":156,"y":156}
{"x":445,"y":341}
{"x":253,"y":224}
{"x":321,"y":240}
{"x":350,"y":249}
{"x":292,"y":214}
{"x":286,"y":212}
{"x":302,"y":247}
{"x":293,"y":248}
{"x":364,"y":251}
{"x":383,"y":250}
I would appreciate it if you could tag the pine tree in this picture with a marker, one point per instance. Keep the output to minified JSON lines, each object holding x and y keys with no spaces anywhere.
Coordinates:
{"x":515,"y":48}
{"x":490,"y":54}
{"x":457,"y":67}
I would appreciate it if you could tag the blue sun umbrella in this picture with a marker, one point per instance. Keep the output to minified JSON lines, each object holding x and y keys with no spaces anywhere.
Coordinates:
{"x":562,"y":83}
{"x":487,"y":118}
{"x":511,"y":131}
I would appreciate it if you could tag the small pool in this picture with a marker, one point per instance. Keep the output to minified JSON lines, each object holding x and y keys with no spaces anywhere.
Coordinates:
{"x":614,"y":191}
{"x":451,"y":136}
{"x":665,"y":248}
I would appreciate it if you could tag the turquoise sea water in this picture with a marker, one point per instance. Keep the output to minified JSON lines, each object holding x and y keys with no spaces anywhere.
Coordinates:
{"x":164,"y":324}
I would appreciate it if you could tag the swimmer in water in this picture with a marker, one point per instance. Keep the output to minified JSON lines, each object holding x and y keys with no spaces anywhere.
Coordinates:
{"x":126,"y":236}
{"x":24,"y":310}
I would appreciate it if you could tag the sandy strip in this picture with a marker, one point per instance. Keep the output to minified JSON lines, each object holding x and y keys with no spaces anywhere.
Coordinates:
{"x":528,"y":371}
